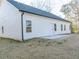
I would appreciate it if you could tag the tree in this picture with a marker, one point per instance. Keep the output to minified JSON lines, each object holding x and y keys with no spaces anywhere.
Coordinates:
{"x":71,"y":12}
{"x":1,"y":1}
{"x":42,"y":4}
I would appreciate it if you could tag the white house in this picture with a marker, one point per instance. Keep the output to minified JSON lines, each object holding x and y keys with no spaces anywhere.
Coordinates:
{"x":21,"y":22}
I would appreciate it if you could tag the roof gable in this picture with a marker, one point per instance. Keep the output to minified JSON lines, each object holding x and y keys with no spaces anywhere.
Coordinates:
{"x":30,"y":9}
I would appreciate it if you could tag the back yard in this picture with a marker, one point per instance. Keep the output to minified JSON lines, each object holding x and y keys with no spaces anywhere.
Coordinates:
{"x":41,"y":48}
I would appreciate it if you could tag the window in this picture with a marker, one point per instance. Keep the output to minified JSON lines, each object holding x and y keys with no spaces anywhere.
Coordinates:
{"x":70,"y":27}
{"x":55,"y":27}
{"x":2,"y":30}
{"x":28,"y":26}
{"x":61,"y":27}
{"x":64,"y":27}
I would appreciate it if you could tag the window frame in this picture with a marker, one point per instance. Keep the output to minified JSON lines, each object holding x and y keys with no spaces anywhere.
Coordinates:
{"x":61,"y":27}
{"x":2,"y":29}
{"x":64,"y":27}
{"x":55,"y":27}
{"x":28,"y":26}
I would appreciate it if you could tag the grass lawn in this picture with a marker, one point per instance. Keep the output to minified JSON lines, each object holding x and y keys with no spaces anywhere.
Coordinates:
{"x":38,"y":48}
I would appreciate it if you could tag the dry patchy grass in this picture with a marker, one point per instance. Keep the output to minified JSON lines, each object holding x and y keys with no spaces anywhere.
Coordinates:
{"x":39,"y":48}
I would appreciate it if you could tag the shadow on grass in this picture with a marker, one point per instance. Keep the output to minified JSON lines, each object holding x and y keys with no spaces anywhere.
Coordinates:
{"x":44,"y":42}
{"x":34,"y":42}
{"x":9,"y":40}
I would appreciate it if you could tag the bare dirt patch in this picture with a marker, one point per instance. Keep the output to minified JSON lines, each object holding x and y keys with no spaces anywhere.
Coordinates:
{"x":67,"y":48}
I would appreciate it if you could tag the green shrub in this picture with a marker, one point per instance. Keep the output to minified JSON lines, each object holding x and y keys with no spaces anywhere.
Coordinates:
{"x":59,"y":42}
{"x":74,"y":28}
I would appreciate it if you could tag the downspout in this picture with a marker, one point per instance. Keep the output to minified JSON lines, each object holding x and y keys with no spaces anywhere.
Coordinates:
{"x":22,"y":26}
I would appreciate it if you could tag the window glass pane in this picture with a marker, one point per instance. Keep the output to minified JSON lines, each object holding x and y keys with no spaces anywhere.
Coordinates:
{"x":70,"y":27}
{"x":55,"y":27}
{"x":28,"y":29}
{"x":28,"y":23}
{"x":64,"y":27}
{"x":61,"y":27}
{"x":2,"y":29}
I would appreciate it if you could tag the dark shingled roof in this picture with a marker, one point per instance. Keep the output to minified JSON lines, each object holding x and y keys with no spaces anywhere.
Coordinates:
{"x":33,"y":10}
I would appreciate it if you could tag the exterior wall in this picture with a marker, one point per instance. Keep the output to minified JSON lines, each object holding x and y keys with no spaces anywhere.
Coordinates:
{"x":43,"y":26}
{"x":10,"y":19}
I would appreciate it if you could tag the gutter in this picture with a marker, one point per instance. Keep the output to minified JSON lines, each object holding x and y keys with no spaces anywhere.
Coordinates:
{"x":22,"y":26}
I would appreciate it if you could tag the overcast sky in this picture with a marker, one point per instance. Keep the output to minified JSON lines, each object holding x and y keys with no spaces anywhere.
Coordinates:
{"x":56,"y":5}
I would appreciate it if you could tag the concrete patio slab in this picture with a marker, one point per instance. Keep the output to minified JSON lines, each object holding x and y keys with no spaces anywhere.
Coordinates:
{"x":56,"y":36}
